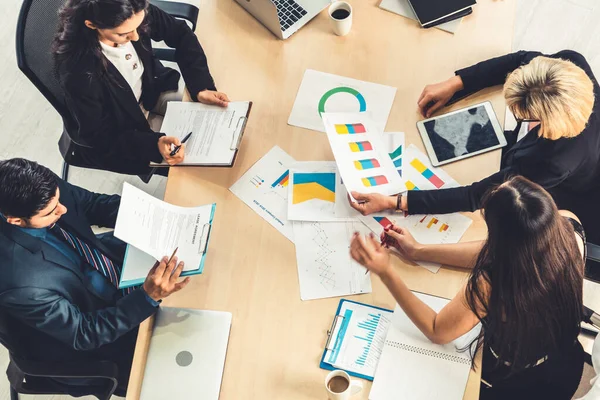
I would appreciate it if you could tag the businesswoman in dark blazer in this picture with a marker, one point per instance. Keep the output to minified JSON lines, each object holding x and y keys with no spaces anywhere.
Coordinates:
{"x":526,"y":289}
{"x":112,"y":80}
{"x":556,"y":95}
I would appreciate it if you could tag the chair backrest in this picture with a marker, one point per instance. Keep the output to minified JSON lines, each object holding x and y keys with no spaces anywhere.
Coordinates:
{"x":36,"y":27}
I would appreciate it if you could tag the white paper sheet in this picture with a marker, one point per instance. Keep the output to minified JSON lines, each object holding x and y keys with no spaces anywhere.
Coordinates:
{"x":312,"y":192}
{"x":411,"y":364}
{"x":402,"y":7}
{"x":415,"y":180}
{"x":325,"y":268}
{"x":361,"y":155}
{"x":158,"y":228}
{"x":264,"y":189}
{"x":322,"y":92}
{"x":216,"y":130}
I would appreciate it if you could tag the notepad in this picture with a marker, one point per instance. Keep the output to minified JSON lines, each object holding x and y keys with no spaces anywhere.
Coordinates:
{"x":412,"y":365}
{"x":431,"y":11}
{"x":216,"y":131}
{"x":356,"y":339}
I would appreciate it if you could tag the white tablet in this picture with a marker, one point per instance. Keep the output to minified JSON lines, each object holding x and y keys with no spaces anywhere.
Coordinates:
{"x":461,"y":134}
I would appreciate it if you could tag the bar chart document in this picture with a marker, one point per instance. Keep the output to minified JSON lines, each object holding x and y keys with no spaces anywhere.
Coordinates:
{"x":325,"y":268}
{"x":264,"y":188}
{"x":361,"y":155}
{"x":357,"y":339}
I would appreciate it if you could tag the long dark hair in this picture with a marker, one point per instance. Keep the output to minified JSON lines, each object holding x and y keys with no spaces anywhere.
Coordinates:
{"x":527,"y":284}
{"x":75,"y":40}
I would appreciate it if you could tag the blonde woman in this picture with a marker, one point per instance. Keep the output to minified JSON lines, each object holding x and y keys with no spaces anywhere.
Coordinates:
{"x":555,"y":95}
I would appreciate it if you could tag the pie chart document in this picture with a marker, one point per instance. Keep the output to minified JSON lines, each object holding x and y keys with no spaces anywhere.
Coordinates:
{"x":322,"y":92}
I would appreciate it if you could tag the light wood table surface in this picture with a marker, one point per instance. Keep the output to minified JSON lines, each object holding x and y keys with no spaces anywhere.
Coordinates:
{"x":276,"y":339}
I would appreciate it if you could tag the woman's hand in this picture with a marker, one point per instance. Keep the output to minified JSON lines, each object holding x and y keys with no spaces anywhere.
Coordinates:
{"x":437,"y":95}
{"x":165,"y":148}
{"x":402,"y":240}
{"x":373,"y":202}
{"x":369,"y":253}
{"x":213,"y":97}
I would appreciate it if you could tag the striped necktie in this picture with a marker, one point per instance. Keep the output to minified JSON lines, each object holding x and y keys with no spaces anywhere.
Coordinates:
{"x":95,"y":258}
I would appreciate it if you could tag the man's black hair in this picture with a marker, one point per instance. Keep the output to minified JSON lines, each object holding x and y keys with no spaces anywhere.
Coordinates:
{"x":25,"y":187}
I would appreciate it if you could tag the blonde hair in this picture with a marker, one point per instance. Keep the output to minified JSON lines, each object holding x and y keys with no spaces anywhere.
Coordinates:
{"x":555,"y":92}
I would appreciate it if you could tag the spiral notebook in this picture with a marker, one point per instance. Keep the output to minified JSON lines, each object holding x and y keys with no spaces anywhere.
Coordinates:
{"x":419,"y":369}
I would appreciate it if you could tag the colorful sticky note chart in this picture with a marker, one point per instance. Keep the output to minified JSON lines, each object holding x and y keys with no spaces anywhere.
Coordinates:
{"x":349,"y":129}
{"x":282,"y":180}
{"x":313,"y":185}
{"x":374,"y":181}
{"x":357,"y":147}
{"x":396,"y":153}
{"x":444,"y":228}
{"x":367,"y":164}
{"x":411,"y":186}
{"x":384,"y":222}
{"x":427,"y":173}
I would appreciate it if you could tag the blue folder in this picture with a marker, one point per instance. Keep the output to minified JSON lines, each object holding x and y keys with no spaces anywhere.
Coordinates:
{"x":325,"y":365}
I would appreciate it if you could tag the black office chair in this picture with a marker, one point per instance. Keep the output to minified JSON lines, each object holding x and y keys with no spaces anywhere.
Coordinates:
{"x":36,"y":27}
{"x":36,"y":377}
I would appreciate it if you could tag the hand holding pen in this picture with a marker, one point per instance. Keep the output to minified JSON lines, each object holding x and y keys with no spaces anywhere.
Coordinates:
{"x":176,"y":149}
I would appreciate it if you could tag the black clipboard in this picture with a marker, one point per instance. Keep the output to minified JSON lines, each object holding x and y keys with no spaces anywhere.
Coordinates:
{"x":236,"y":140}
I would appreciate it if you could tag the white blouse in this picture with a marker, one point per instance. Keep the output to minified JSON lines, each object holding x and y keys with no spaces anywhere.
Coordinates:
{"x":126,"y":60}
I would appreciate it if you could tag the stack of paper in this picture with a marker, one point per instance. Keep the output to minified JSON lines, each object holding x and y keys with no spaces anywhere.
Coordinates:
{"x":154,"y":229}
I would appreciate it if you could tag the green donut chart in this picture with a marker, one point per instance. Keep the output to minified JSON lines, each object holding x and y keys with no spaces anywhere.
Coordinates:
{"x":342,"y":89}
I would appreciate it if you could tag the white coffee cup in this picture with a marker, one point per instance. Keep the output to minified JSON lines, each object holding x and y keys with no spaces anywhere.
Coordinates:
{"x":352,"y":387}
{"x":341,"y":27}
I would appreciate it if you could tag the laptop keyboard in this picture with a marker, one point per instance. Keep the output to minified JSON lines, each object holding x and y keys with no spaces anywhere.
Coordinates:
{"x":289,"y":12}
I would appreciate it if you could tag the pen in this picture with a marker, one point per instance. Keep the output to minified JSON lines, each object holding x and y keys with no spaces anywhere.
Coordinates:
{"x":173,"y":255}
{"x":176,"y":149}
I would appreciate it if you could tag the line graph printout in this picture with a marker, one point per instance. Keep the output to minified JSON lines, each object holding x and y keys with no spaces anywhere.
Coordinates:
{"x":325,"y":268}
{"x":264,"y":188}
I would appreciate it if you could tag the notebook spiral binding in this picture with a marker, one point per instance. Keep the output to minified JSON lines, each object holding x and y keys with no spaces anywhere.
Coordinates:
{"x":431,"y":353}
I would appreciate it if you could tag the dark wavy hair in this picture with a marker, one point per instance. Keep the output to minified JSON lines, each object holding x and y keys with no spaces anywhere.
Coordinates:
{"x":74,"y":39}
{"x":527,"y":283}
{"x":26,"y":187}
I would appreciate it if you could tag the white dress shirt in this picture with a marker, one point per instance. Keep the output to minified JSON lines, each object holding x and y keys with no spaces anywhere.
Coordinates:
{"x":126,"y":60}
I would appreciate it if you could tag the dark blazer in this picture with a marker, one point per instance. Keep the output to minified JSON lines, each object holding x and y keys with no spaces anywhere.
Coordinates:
{"x":108,"y":117}
{"x":568,"y":168}
{"x":52,"y":303}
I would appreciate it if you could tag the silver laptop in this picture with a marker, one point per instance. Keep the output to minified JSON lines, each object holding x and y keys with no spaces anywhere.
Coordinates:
{"x":284,"y":17}
{"x":186,"y":355}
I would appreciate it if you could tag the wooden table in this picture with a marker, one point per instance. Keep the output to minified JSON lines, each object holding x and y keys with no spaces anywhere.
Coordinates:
{"x":277,"y":339}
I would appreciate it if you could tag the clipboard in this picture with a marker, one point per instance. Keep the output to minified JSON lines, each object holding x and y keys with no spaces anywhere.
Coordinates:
{"x":336,"y":326}
{"x":136,"y":256}
{"x":236,"y":140}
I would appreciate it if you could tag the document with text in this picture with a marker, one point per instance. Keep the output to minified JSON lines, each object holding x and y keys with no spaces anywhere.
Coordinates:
{"x":158,"y":228}
{"x":216,"y":132}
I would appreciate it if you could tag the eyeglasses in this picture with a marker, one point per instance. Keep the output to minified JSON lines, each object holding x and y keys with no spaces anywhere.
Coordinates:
{"x":521,"y":120}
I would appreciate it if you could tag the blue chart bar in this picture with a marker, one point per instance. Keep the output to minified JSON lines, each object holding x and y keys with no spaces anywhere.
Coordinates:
{"x":369,"y":326}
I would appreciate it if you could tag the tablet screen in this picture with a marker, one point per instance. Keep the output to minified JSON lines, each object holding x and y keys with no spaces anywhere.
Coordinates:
{"x":462,"y":133}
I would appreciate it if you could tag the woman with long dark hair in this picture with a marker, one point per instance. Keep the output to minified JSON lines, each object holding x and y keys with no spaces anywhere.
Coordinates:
{"x":112,"y":81}
{"x":525,"y":288}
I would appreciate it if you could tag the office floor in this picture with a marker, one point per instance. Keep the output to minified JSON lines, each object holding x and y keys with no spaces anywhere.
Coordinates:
{"x":30,"y":128}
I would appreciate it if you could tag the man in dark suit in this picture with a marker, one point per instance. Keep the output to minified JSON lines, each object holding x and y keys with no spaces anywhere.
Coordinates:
{"x":58,"y":281}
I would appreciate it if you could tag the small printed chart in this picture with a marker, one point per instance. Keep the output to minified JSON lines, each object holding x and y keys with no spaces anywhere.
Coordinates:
{"x":312,"y":191}
{"x":321,"y":92}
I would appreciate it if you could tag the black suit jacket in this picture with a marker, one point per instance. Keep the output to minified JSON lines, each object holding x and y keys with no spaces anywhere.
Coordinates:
{"x":568,"y":168}
{"x":55,"y":308}
{"x":106,"y":114}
